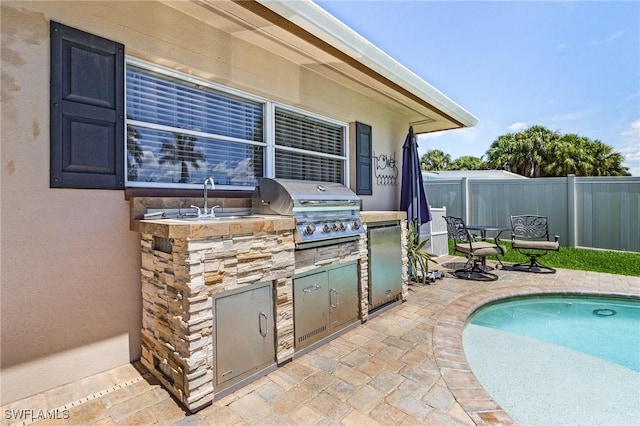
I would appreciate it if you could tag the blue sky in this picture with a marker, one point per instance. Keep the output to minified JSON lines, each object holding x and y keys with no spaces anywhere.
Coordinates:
{"x":571,"y":66}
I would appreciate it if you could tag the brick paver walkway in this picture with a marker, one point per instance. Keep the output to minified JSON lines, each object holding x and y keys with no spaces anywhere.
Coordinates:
{"x":404,"y":366}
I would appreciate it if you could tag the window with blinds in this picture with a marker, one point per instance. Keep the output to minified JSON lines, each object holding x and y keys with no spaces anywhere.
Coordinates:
{"x":181,"y":131}
{"x":308,"y":148}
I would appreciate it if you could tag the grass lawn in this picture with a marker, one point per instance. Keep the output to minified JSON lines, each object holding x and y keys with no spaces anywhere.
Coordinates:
{"x":612,"y":262}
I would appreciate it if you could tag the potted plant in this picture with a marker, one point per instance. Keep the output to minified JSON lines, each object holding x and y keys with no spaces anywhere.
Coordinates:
{"x":418,"y":258}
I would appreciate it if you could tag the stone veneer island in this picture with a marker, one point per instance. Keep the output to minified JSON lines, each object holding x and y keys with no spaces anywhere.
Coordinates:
{"x":185,"y":264}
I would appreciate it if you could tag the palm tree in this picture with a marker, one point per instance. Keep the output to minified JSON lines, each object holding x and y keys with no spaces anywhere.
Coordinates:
{"x":569,"y":155}
{"x":502,"y":154}
{"x":606,"y":162}
{"x":435,"y":159}
{"x":468,"y":162}
{"x":532,"y":147}
{"x":135,"y":155}
{"x":183,"y":151}
{"x":524,"y":153}
{"x":539,"y":152}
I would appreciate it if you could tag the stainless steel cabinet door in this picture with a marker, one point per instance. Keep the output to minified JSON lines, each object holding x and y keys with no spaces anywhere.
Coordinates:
{"x":385,"y":265}
{"x":245,"y":332}
{"x":343,"y":295}
{"x":310,"y":308}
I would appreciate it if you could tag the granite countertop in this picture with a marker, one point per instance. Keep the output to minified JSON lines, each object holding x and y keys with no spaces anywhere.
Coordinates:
{"x":382,"y":216}
{"x":195,"y":229}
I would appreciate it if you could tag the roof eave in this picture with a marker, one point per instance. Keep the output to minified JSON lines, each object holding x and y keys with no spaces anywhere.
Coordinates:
{"x":319,"y":23}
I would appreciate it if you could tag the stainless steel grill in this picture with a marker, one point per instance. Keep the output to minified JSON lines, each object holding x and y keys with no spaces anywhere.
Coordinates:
{"x":325,"y":212}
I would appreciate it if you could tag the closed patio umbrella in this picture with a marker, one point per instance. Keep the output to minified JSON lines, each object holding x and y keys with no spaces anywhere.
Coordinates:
{"x":413,"y":199}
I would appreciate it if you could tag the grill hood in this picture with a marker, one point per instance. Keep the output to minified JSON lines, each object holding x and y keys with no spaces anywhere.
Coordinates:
{"x":288,"y":197}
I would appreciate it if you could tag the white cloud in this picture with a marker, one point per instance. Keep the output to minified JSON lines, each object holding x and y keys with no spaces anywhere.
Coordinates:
{"x":608,"y":39}
{"x":148,"y":156}
{"x":241,"y":174}
{"x":518,"y":126}
{"x":572,"y":116}
{"x":635,"y":156}
{"x":631,"y":153}
{"x":633,"y":96}
{"x":632,"y":134}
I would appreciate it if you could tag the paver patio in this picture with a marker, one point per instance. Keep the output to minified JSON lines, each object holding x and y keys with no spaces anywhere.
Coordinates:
{"x":404,"y":366}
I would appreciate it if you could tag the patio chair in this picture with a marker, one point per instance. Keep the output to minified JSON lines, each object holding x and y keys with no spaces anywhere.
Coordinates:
{"x":475,"y":251}
{"x":530,"y":237}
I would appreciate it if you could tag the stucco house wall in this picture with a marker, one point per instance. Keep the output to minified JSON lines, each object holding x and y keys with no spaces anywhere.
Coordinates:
{"x":70,"y":266}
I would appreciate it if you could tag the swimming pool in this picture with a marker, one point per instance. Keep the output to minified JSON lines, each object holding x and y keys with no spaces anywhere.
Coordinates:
{"x":559,"y":359}
{"x":608,"y":328}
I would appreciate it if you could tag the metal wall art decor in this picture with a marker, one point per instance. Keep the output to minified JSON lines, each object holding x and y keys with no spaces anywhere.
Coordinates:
{"x":386,"y":169}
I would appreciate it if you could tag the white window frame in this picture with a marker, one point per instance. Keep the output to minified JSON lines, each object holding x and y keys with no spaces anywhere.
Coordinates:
{"x":268,"y":143}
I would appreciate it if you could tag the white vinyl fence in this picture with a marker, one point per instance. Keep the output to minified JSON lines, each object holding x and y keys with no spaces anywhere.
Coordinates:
{"x":591,"y":212}
{"x":436,"y":232}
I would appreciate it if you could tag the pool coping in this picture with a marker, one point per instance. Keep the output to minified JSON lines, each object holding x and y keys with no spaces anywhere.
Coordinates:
{"x":448,"y":348}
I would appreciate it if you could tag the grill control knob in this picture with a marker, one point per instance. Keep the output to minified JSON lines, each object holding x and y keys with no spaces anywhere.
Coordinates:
{"x":342,"y":226}
{"x":326,"y":228}
{"x":334,"y":227}
{"x":355,"y":225}
{"x":309,"y":229}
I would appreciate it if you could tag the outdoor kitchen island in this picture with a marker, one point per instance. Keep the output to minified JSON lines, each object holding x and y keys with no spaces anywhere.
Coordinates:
{"x":218,"y":298}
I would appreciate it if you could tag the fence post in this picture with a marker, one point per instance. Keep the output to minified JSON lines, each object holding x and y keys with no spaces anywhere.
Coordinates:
{"x":464,"y":189}
{"x":571,"y":211}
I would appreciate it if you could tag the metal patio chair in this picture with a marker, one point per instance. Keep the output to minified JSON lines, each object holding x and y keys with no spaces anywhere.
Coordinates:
{"x":475,"y":251}
{"x":530,"y":237}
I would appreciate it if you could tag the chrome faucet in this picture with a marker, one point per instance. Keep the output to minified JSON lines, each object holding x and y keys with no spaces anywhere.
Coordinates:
{"x":208,"y":181}
{"x":205,"y":213}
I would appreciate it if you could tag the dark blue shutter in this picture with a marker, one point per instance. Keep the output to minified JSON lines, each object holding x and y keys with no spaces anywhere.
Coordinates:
{"x":364,"y":151}
{"x":87,"y":110}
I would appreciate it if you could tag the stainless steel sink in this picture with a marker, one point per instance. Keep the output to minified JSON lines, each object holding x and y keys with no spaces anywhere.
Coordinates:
{"x":175,"y":215}
{"x":194,"y":219}
{"x":211,"y":219}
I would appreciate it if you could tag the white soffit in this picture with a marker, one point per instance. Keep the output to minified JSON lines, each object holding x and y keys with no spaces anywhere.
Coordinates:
{"x":307,"y":35}
{"x":315,"y":20}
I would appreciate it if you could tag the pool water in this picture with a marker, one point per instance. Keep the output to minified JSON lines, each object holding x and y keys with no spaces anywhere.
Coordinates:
{"x":550,"y":360}
{"x":608,"y":328}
